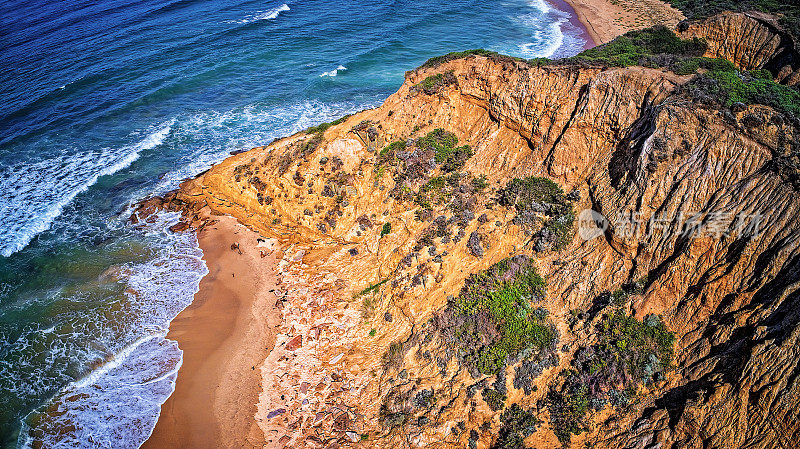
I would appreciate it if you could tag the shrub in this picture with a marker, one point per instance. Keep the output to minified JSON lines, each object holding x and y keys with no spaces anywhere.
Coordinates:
{"x":386,"y":229}
{"x":788,"y":12}
{"x":480,"y":183}
{"x":520,"y":193}
{"x":389,"y":153}
{"x":494,"y":399}
{"x":533,"y":197}
{"x":724,"y":85}
{"x":373,"y":287}
{"x":517,"y":424}
{"x":496,"y":305}
{"x":443,"y":144}
{"x":438,"y":60}
{"x":435,"y":83}
{"x":628,"y":353}
{"x":322,"y":127}
{"x":636,"y":47}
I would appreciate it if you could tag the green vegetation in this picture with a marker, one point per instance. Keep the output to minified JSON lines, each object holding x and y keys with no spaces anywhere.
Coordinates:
{"x":443,"y":143}
{"x":435,"y":83}
{"x":534,"y":197}
{"x":322,"y":127}
{"x":388,"y":155}
{"x":520,"y":193}
{"x":372,"y":332}
{"x":788,"y":12}
{"x":373,"y":287}
{"x":639,"y":48}
{"x":480,"y":183}
{"x":495,"y":399}
{"x":628,"y":353}
{"x":386,"y":229}
{"x":725,"y":85}
{"x":493,"y":319}
{"x":438,"y":60}
{"x":517,"y":424}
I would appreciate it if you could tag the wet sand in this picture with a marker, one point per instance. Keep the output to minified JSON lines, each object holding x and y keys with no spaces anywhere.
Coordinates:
{"x":225,"y":334}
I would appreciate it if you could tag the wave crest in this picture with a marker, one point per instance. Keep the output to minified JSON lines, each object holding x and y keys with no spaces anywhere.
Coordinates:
{"x":333,"y":72}
{"x":32,"y":195}
{"x":270,"y":14}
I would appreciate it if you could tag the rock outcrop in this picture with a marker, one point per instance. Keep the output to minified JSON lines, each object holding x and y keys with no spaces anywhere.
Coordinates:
{"x":751,"y":41}
{"x":380,"y":218}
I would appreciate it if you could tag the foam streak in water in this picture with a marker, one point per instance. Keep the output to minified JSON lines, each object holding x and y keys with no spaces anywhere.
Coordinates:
{"x":32,"y":195}
{"x":117,"y":404}
{"x":334,"y":72}
{"x":271,"y":14}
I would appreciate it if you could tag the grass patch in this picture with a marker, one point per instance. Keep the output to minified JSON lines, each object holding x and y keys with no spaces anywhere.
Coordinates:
{"x":438,"y":60}
{"x":638,"y":47}
{"x":322,"y":127}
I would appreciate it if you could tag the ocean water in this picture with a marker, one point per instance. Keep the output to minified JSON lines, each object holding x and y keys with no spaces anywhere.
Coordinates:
{"x":105,"y":102}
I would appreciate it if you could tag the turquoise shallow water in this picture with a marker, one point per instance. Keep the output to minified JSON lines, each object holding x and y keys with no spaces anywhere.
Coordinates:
{"x":105,"y":102}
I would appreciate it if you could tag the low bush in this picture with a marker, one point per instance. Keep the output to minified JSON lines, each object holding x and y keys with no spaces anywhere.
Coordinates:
{"x":637,"y":48}
{"x":629,"y":353}
{"x":787,"y":12}
{"x":438,"y":60}
{"x":322,"y":127}
{"x":435,"y":83}
{"x":517,"y":424}
{"x":493,"y":398}
{"x":386,"y":229}
{"x":537,"y":199}
{"x":443,"y":143}
{"x":493,"y":319}
{"x":725,"y":86}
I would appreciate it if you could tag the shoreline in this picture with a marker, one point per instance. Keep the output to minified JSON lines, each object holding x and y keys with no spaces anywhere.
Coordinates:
{"x":604,"y":20}
{"x":226,"y":333}
{"x":575,"y":19}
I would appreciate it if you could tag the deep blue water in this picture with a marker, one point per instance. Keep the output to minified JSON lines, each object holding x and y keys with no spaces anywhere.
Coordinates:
{"x":105,"y":102}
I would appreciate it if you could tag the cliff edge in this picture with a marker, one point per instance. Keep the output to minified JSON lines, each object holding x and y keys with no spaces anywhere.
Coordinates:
{"x":511,"y":253}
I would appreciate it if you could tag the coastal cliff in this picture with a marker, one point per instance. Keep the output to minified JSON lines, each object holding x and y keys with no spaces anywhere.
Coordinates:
{"x":509,"y":251}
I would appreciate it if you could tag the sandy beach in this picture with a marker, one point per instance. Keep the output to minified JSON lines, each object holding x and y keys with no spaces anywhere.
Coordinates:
{"x":604,"y":20}
{"x":225,"y":335}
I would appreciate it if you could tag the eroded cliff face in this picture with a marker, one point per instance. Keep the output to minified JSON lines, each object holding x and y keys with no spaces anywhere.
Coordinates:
{"x":364,"y":357}
{"x":749,"y":40}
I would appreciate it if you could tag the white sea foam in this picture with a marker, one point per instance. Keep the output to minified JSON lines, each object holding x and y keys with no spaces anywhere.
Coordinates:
{"x":213,"y":135}
{"x":33,"y":194}
{"x":552,"y":32}
{"x":334,"y":72}
{"x":270,"y":14}
{"x":117,"y":404}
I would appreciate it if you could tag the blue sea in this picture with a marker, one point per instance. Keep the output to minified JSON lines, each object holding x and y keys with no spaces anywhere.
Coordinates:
{"x":106,"y":102}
